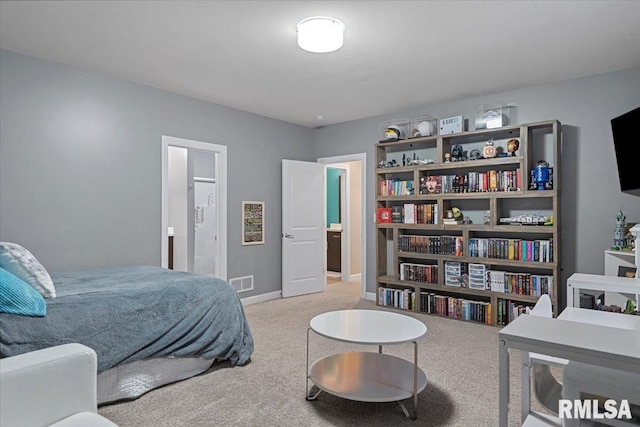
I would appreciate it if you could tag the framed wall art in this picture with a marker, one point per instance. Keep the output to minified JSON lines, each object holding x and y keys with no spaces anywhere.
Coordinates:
{"x":252,"y":223}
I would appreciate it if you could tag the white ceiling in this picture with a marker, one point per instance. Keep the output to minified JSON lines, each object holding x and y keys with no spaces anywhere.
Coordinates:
{"x":397,"y":55}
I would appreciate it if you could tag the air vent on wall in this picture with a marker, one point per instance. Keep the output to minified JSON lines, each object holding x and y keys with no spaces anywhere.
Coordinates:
{"x":242,"y":284}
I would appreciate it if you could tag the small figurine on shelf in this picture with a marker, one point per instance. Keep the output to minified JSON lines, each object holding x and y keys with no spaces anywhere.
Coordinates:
{"x":541,"y":175}
{"x":447,"y":157}
{"x":489,"y":151}
{"x":512,"y":146}
{"x":457,"y":153}
{"x":619,"y":231}
{"x":474,"y":154}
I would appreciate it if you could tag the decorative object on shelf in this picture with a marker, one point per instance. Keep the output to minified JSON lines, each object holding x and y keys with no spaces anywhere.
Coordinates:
{"x":392,"y":133}
{"x":619,"y":240}
{"x":474,"y":154}
{"x":523,"y":219}
{"x":486,"y":218}
{"x":426,"y":128}
{"x":451,"y":125}
{"x":454,"y":216}
{"x":467,"y":220}
{"x":512,"y":146}
{"x":541,"y":175}
{"x":491,"y":116}
{"x":489,"y":150}
{"x":447,"y":157}
{"x":394,"y":130}
{"x":457,"y":153}
{"x":422,"y":126}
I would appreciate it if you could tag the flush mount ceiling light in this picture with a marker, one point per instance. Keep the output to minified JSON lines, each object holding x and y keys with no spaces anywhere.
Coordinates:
{"x":320,"y":34}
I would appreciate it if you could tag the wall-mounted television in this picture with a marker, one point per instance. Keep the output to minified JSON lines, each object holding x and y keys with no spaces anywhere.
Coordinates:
{"x":626,"y":140}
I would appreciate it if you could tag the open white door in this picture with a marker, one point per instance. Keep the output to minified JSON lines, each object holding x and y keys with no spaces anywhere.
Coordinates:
{"x":303,"y":228}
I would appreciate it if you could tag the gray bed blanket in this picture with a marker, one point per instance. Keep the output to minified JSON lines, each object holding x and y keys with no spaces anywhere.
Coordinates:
{"x":133,"y":313}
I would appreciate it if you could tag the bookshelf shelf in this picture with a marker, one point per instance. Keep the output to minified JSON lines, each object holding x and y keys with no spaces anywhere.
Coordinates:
{"x":534,"y":257}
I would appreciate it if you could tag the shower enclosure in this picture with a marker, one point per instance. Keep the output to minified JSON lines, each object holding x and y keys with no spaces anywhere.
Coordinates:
{"x":193,"y":207}
{"x":204,"y":257}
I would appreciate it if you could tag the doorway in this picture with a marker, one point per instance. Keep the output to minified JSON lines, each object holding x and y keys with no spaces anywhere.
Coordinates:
{"x":351,"y":211}
{"x":194,"y":200}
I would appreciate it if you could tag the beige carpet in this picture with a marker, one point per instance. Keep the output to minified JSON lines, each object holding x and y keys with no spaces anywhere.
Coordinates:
{"x":459,"y":358}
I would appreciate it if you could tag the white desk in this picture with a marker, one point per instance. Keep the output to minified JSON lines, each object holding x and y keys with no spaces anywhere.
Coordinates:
{"x":367,"y":376}
{"x":583,"y":342}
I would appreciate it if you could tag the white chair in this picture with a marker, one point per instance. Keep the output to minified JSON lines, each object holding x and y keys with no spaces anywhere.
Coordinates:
{"x":546,"y":389}
{"x":55,"y":386}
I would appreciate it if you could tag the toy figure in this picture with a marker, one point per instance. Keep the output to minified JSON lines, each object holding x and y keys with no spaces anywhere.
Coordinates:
{"x":512,"y":146}
{"x":619,"y":231}
{"x":489,"y":151}
{"x":457,"y":153}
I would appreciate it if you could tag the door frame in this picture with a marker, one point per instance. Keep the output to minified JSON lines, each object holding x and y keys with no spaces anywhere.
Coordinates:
{"x":221,"y":197}
{"x":362,"y":157}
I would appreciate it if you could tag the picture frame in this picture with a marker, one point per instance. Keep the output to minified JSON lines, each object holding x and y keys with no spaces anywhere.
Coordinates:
{"x":252,"y":223}
{"x":627,"y":271}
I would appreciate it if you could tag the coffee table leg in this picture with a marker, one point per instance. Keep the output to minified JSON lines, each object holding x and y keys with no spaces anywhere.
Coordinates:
{"x":307,"y":373}
{"x":415,"y":380}
{"x":413,"y":416}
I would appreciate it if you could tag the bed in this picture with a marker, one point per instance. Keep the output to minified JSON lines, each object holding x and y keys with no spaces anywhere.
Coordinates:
{"x":149,"y":326}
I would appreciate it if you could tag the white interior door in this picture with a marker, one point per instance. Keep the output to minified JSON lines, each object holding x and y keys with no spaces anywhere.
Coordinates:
{"x":303,"y":230}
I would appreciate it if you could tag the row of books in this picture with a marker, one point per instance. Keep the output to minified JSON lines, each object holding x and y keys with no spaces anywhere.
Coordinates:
{"x":472,"y":182}
{"x":396,"y":187}
{"x":409,"y":213}
{"x":420,"y":273}
{"x":512,"y":249}
{"x":508,"y":311}
{"x":533,"y":285}
{"x":458,"y":308}
{"x":404,"y":299}
{"x":437,"y":245}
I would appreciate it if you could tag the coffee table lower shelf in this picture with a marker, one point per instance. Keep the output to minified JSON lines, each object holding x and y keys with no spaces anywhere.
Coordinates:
{"x":367,"y":377}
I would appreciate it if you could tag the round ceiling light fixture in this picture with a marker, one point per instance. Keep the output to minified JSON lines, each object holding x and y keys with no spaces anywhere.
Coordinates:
{"x":320,"y":34}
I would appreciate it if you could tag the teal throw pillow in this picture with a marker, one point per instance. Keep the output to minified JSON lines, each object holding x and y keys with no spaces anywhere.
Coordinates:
{"x":18,"y":297}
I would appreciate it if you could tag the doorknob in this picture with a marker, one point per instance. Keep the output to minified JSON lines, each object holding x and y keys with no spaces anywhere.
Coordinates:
{"x":287,"y":236}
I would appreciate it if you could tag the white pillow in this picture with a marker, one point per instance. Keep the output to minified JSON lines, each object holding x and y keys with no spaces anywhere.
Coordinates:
{"x":22,"y":264}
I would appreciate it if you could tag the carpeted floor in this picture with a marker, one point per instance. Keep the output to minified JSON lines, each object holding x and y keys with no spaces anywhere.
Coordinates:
{"x":459,"y":358}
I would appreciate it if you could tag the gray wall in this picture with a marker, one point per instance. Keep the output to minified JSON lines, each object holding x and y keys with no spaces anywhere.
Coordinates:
{"x":80,"y":167}
{"x":591,"y":194}
{"x":80,"y":164}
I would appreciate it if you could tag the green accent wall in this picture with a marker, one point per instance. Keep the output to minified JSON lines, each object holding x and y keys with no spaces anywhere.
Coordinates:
{"x":333,"y":196}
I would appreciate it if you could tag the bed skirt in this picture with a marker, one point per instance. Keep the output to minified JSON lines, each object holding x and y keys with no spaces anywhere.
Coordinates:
{"x":130,"y":381}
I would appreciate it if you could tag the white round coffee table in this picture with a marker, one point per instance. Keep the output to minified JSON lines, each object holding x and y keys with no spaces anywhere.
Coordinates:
{"x":368,"y":376}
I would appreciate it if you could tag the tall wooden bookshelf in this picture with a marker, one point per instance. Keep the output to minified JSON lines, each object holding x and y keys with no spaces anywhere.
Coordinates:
{"x":409,"y":253}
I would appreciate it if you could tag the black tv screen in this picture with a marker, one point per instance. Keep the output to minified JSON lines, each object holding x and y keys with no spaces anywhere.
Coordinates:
{"x":626,"y":140}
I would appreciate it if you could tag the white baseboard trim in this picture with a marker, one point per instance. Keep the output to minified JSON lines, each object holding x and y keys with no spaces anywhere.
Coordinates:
{"x":355,"y":277}
{"x":370,"y":296}
{"x":261,"y":298}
